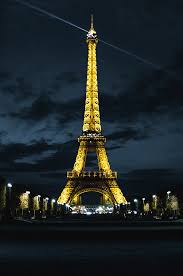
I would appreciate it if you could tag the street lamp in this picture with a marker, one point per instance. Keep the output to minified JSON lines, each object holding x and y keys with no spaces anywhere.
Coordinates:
{"x":143,"y":203}
{"x":154,"y":203}
{"x":9,"y":185}
{"x":36,"y":205}
{"x":28,"y":200}
{"x":168,"y":195}
{"x":45,"y":207}
{"x":53,"y":206}
{"x":8,"y":200}
{"x":168,"y":203}
{"x":136,"y":205}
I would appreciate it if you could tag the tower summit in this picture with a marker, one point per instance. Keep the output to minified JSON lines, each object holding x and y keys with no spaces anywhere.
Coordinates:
{"x":92,"y":115}
{"x":103,"y":181}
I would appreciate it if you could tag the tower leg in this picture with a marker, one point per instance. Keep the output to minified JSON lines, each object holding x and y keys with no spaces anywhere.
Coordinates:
{"x":79,"y":164}
{"x":102,"y":158}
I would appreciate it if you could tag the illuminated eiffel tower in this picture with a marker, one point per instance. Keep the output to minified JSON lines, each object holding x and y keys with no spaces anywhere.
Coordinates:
{"x":103,"y":181}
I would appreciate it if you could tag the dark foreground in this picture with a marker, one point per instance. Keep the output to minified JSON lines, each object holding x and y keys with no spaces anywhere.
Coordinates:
{"x":91,"y":248}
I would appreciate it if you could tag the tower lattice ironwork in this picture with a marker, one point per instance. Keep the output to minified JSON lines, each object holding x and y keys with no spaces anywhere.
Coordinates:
{"x":79,"y":180}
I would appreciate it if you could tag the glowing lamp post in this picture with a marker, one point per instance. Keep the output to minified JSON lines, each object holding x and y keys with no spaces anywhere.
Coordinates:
{"x":53,"y":201}
{"x":154,"y":204}
{"x":36,"y":204}
{"x":45,"y":206}
{"x":168,"y":202}
{"x":53,"y":206}
{"x":9,"y":185}
{"x":28,"y":201}
{"x":136,"y":204}
{"x":9,"y":191}
{"x":143,"y":203}
{"x":9,"y":200}
{"x":168,"y":194}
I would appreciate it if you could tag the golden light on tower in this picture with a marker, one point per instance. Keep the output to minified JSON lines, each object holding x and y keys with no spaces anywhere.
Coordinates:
{"x":79,"y":180}
{"x":92,"y":114}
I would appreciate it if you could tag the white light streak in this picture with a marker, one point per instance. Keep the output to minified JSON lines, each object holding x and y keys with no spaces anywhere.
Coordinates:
{"x":138,"y":58}
{"x":50,"y":14}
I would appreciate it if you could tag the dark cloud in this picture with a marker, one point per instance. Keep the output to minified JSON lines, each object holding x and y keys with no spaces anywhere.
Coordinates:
{"x":151,"y":173}
{"x":177,"y":66}
{"x":129,"y":134}
{"x":15,"y":154}
{"x":20,"y":90}
{"x":3,"y":134}
{"x":113,"y":147}
{"x":40,"y":109}
{"x":17,"y":87}
{"x":69,"y":77}
{"x":53,"y":175}
{"x":44,"y":106}
{"x":155,"y":95}
{"x":41,"y":156}
{"x":149,"y":181}
{"x":11,"y":152}
{"x":64,"y":79}
{"x":152,"y":96}
{"x":5,"y":76}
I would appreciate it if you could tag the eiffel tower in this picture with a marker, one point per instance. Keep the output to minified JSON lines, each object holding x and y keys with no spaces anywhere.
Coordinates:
{"x":103,"y":181}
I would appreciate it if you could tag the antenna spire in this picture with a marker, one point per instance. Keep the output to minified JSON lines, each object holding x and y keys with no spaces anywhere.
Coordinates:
{"x":92,"y":33}
{"x":92,"y":22}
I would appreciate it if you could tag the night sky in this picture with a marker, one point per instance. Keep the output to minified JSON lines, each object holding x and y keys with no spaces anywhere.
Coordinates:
{"x":42,"y":92}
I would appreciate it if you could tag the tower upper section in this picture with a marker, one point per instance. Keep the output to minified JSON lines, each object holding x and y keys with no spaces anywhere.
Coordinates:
{"x":91,"y":122}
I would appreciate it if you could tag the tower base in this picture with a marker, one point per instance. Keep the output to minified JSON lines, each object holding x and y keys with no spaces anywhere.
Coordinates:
{"x":91,"y":182}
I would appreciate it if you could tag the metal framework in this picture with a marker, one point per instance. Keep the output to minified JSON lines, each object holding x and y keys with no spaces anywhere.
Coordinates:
{"x":103,"y":181}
